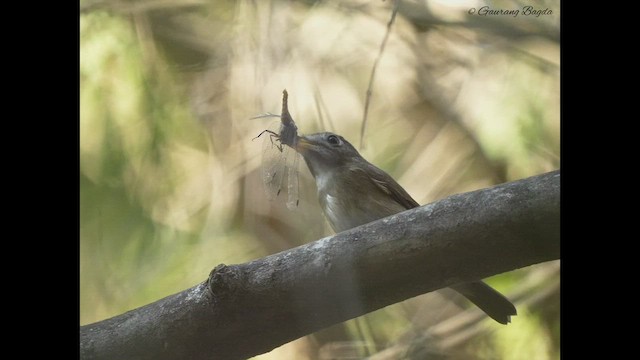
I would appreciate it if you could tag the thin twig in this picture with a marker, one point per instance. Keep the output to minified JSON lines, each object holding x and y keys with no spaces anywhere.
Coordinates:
{"x":373,"y":71}
{"x":320,"y":108}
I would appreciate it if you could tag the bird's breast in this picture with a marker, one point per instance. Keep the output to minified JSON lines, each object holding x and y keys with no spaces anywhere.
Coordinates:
{"x":348,"y":211}
{"x":336,"y":213}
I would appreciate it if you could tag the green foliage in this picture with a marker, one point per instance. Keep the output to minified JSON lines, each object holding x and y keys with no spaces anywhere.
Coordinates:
{"x":170,"y":179}
{"x":129,"y":123}
{"x":526,"y":339}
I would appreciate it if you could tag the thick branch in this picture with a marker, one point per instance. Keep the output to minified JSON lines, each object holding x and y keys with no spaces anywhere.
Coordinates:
{"x":248,"y":309}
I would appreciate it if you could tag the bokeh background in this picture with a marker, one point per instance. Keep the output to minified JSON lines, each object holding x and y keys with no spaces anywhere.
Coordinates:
{"x":170,"y":180}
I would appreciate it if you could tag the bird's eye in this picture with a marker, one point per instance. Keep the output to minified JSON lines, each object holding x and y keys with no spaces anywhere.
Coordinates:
{"x":333,"y":140}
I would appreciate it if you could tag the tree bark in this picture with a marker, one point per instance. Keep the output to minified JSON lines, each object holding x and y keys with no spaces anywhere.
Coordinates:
{"x":248,"y":309}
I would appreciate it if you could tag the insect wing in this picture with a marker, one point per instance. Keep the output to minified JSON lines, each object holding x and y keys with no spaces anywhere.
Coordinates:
{"x":292,"y":180}
{"x":273,"y":164}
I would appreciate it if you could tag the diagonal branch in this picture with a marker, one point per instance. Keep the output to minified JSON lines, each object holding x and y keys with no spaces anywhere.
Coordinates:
{"x":248,"y":309}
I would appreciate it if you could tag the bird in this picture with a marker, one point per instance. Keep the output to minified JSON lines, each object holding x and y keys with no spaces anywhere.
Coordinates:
{"x":353,"y":192}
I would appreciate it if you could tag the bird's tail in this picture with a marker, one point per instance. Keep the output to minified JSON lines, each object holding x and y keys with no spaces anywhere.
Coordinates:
{"x":494,"y":304}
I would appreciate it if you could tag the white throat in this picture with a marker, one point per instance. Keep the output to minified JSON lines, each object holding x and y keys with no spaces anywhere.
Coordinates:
{"x":323,"y":180}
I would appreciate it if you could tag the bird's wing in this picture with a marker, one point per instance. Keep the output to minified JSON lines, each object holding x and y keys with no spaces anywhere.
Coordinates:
{"x":388,"y":185}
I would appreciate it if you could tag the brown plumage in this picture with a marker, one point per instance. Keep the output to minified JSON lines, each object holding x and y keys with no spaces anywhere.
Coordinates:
{"x":354,"y":192}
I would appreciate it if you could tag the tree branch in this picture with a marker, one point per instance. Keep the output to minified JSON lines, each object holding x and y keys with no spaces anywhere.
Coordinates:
{"x":248,"y":309}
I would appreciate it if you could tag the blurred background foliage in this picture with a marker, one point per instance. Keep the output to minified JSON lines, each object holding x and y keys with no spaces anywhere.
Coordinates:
{"x":170,"y":182}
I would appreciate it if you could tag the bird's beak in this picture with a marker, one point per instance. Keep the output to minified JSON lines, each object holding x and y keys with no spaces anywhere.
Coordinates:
{"x":303,"y":144}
